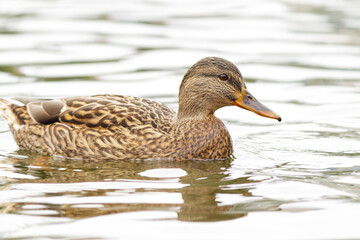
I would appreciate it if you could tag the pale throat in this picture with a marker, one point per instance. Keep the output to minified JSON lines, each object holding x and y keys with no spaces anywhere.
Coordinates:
{"x":193,"y":110}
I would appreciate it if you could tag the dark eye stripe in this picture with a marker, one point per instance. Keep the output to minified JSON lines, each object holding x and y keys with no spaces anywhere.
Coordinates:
{"x":236,"y":84}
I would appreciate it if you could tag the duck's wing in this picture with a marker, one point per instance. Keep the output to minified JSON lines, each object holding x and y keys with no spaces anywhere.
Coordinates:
{"x":113,"y":112}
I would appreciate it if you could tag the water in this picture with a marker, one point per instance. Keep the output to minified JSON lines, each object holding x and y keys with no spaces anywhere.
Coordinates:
{"x":298,"y":179}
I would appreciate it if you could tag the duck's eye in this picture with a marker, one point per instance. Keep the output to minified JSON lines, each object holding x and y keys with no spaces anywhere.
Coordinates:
{"x":223,"y":77}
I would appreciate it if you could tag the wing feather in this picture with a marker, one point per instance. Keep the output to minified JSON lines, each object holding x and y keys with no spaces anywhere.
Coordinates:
{"x":115,"y":112}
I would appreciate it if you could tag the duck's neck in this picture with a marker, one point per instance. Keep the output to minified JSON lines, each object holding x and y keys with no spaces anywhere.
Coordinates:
{"x":192,"y":110}
{"x":192,"y":104}
{"x":193,"y":113}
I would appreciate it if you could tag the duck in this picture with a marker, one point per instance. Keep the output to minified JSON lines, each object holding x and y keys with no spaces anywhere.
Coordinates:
{"x":117,"y":127}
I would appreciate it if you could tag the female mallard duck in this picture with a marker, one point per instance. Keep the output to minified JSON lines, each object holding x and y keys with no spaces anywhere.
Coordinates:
{"x":122,"y":127}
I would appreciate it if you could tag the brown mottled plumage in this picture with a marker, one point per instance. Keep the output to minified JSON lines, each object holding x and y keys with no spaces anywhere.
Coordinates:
{"x":123,"y":127}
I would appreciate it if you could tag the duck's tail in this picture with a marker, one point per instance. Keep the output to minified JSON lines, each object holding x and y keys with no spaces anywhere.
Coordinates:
{"x":14,"y":113}
{"x":27,"y":133}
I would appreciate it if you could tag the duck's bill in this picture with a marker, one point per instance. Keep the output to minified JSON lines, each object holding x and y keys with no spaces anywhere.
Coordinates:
{"x":248,"y":102}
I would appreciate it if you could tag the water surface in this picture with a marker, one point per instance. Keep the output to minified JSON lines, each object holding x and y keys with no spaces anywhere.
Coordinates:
{"x":298,"y":179}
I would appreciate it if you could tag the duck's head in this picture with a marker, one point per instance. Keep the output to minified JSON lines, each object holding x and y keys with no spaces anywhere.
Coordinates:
{"x":212,"y":83}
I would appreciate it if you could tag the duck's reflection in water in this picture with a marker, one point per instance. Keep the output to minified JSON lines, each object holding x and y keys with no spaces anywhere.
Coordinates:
{"x":200,"y":184}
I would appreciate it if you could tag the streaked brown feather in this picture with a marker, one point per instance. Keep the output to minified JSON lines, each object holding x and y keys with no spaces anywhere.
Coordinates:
{"x":117,"y":113}
{"x":13,"y":113}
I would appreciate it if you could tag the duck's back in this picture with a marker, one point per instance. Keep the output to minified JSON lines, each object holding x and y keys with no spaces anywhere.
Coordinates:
{"x":116,"y":113}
